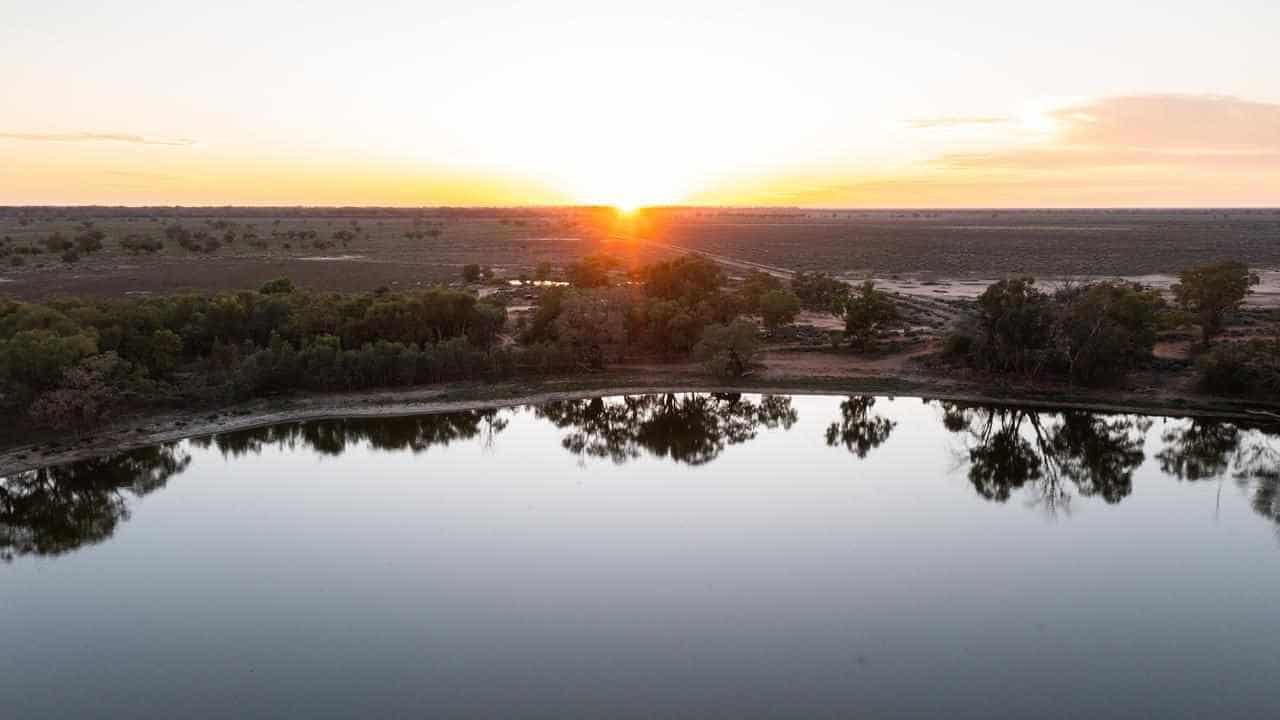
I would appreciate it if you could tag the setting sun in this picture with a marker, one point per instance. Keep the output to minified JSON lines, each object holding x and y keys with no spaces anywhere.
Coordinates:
{"x":713,"y":104}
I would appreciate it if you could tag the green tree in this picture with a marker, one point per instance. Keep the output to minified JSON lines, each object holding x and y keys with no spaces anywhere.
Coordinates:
{"x":592,"y":271}
{"x":755,"y":286}
{"x":778,"y":307}
{"x":727,"y":350}
{"x":1016,"y":324}
{"x":593,"y":325}
{"x":1211,"y":292}
{"x":34,"y":360}
{"x":867,"y":311}
{"x":1105,"y":328}
{"x":689,"y":279}
{"x":166,"y":350}
{"x":820,"y":292}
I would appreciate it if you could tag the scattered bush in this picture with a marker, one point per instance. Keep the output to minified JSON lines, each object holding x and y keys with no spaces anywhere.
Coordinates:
{"x":1091,"y":333}
{"x":279,"y":286}
{"x":820,"y":292}
{"x":57,"y":242}
{"x":1242,"y":368}
{"x":958,"y":344}
{"x":728,"y":350}
{"x":138,"y":244}
{"x":755,"y":286}
{"x":89,"y":240}
{"x":198,"y":241}
{"x":592,"y":271}
{"x":866,"y":311}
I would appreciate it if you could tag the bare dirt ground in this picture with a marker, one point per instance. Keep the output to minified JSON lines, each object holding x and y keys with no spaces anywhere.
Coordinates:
{"x":929,"y":254}
{"x":979,"y":244}
{"x":391,"y":248}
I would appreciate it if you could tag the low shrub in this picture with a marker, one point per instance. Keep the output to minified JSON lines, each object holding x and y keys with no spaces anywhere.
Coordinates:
{"x":1241,"y":368}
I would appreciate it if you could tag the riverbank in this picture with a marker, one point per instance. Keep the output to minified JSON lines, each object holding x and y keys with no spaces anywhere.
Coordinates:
{"x":142,"y":429}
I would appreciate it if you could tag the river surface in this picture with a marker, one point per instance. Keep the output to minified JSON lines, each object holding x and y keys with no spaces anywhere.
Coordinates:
{"x":655,"y":556}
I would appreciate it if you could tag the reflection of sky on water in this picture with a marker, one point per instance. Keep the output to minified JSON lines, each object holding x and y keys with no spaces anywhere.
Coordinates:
{"x":504,"y":569}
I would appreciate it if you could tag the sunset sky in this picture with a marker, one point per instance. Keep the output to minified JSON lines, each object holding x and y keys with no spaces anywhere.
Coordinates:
{"x":805,"y":103}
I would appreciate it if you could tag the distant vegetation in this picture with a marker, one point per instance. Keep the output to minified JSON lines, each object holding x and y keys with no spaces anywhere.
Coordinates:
{"x":1095,"y":333}
{"x":663,"y":312}
{"x":69,"y":363}
{"x":138,"y":244}
{"x":1091,"y":334}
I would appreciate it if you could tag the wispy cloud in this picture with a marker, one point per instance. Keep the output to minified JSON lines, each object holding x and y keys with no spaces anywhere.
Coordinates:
{"x":93,"y":137}
{"x":1184,"y":122}
{"x":951,"y":121}
{"x":1184,"y":132}
{"x":1084,"y":158}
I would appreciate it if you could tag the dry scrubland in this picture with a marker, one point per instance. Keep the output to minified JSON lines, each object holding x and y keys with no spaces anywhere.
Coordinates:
{"x":965,"y":244}
{"x":399,"y":249}
{"x":932,"y":265}
{"x":946,"y":253}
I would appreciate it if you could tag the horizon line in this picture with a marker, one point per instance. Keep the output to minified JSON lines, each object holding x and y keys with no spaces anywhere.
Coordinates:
{"x":642,"y":208}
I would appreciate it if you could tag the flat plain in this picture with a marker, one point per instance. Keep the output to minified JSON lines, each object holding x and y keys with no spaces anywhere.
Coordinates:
{"x":943,"y":253}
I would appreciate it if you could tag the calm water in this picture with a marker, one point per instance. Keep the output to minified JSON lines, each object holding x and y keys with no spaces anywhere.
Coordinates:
{"x":655,"y":556}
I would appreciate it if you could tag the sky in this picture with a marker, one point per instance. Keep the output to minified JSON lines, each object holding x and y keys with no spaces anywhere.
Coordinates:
{"x":802,"y":103}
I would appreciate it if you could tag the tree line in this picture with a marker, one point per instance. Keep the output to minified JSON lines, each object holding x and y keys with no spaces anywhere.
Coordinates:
{"x":69,"y":362}
{"x":1094,"y":333}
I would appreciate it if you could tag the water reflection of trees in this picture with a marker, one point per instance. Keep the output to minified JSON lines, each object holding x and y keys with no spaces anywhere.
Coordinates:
{"x":333,"y":437}
{"x":1050,"y":456}
{"x":1210,"y":450}
{"x":1057,"y":454}
{"x":689,"y":428}
{"x":1053,"y":455}
{"x":54,"y":510}
{"x":859,"y":430}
